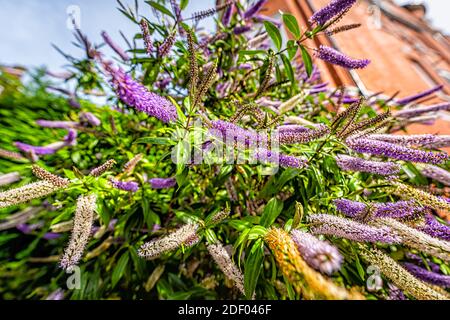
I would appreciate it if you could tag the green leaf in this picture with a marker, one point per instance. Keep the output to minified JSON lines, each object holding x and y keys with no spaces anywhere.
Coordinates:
{"x":183,"y":4}
{"x":239,"y":225}
{"x":160,"y":8}
{"x":307,"y":61}
{"x":119,"y":270}
{"x":274,"y":34}
{"x":292,"y":49}
{"x":155,"y":140}
{"x":69,"y":174}
{"x":360,"y":269}
{"x":289,"y":70}
{"x":271,"y":212}
{"x":253,"y":266}
{"x":291,"y":23}
{"x":257,"y":232}
{"x":298,"y":216}
{"x":250,"y":52}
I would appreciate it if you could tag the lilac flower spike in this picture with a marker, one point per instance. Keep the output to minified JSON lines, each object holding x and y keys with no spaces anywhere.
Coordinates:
{"x":348,"y":163}
{"x":415,"y":112}
{"x":160,"y":183}
{"x":320,"y":255}
{"x":88,"y":117}
{"x":344,"y":228}
{"x":136,"y":95}
{"x":56,"y":124}
{"x":338,"y":58}
{"x":9,"y":178}
{"x":437,"y":173}
{"x":333,"y":9}
{"x":129,"y":186}
{"x":115,"y":47}
{"x":254,"y":9}
{"x":420,"y":95}
{"x":390,"y":150}
{"x":35,"y":149}
{"x":428,"y":276}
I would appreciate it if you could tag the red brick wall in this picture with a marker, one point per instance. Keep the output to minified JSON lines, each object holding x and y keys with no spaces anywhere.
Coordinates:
{"x":392,"y":49}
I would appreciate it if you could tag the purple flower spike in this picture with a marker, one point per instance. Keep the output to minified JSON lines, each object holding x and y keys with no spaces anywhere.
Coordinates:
{"x":299,"y":134}
{"x":267,"y":156}
{"x":230,"y":132}
{"x":415,"y":112}
{"x":348,"y":163}
{"x":390,"y":150}
{"x":51,"y":236}
{"x":73,"y":102}
{"x":268,"y":103}
{"x":90,"y":118}
{"x":428,"y":276}
{"x":352,"y":209}
{"x":58,"y":294}
{"x":395,"y":293}
{"x":115,"y":47}
{"x":420,"y":262}
{"x":28,"y":228}
{"x":160,"y":183}
{"x":338,"y":58}
{"x":320,"y":255}
{"x":254,"y":9}
{"x":164,"y":48}
{"x":419,"y":140}
{"x":36,"y":150}
{"x":70,"y":139}
{"x":137,"y":96}
{"x":419,"y":95}
{"x":129,"y":186}
{"x":241,"y":29}
{"x":333,"y":9}
{"x":56,"y":124}
{"x":226,"y":18}
{"x":434,"y":228}
{"x":396,"y":210}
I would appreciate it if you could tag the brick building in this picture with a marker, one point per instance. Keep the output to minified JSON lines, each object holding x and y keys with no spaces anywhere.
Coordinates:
{"x":408,"y":55}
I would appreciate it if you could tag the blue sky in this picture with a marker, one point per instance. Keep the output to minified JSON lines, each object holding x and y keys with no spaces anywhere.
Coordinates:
{"x":27,"y":27}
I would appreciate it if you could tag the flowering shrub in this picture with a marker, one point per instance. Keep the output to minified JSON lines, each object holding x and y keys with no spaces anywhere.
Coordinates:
{"x":220,"y":166}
